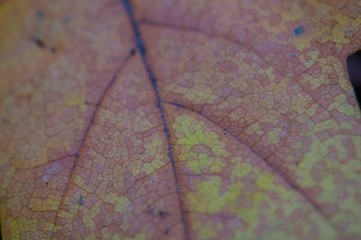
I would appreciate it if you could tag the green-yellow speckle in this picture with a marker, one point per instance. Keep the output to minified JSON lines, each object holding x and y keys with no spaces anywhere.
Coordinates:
{"x":208,"y":197}
{"x":191,"y":133}
{"x":208,"y":230}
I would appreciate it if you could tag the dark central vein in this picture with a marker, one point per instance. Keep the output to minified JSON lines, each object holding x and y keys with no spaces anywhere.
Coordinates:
{"x":143,"y":51}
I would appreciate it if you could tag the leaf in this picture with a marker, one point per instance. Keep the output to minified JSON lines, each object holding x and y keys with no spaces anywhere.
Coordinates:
{"x":179,"y":119}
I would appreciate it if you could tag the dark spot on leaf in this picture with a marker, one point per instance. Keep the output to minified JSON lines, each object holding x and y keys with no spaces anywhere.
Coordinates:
{"x":53,"y":49}
{"x":133,"y":51}
{"x":166,"y":232}
{"x":162,"y":214}
{"x":66,"y":19}
{"x":40,"y":14}
{"x":38,"y":42}
{"x":77,"y":154}
{"x":354,"y":72}
{"x":81,"y":200}
{"x":46,"y":183}
{"x":299,"y":30}
{"x":293,"y":186}
{"x":350,"y":32}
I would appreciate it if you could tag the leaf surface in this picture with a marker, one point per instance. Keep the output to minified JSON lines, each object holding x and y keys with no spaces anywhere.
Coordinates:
{"x":179,"y":120}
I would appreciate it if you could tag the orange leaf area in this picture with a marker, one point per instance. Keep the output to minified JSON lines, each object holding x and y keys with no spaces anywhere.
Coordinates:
{"x":179,"y":120}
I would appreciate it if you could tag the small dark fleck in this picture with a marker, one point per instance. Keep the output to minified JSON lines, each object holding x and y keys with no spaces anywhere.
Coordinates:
{"x":81,"y":200}
{"x":162,"y":214}
{"x":53,"y":49}
{"x":354,"y":72}
{"x":293,"y":55}
{"x":66,"y":19}
{"x":38,"y":42}
{"x":166,"y":232}
{"x":40,"y":14}
{"x":350,"y":32}
{"x":299,"y":30}
{"x":77,"y":154}
{"x":293,"y":186}
{"x":46,"y":183}
{"x":132,"y":52}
